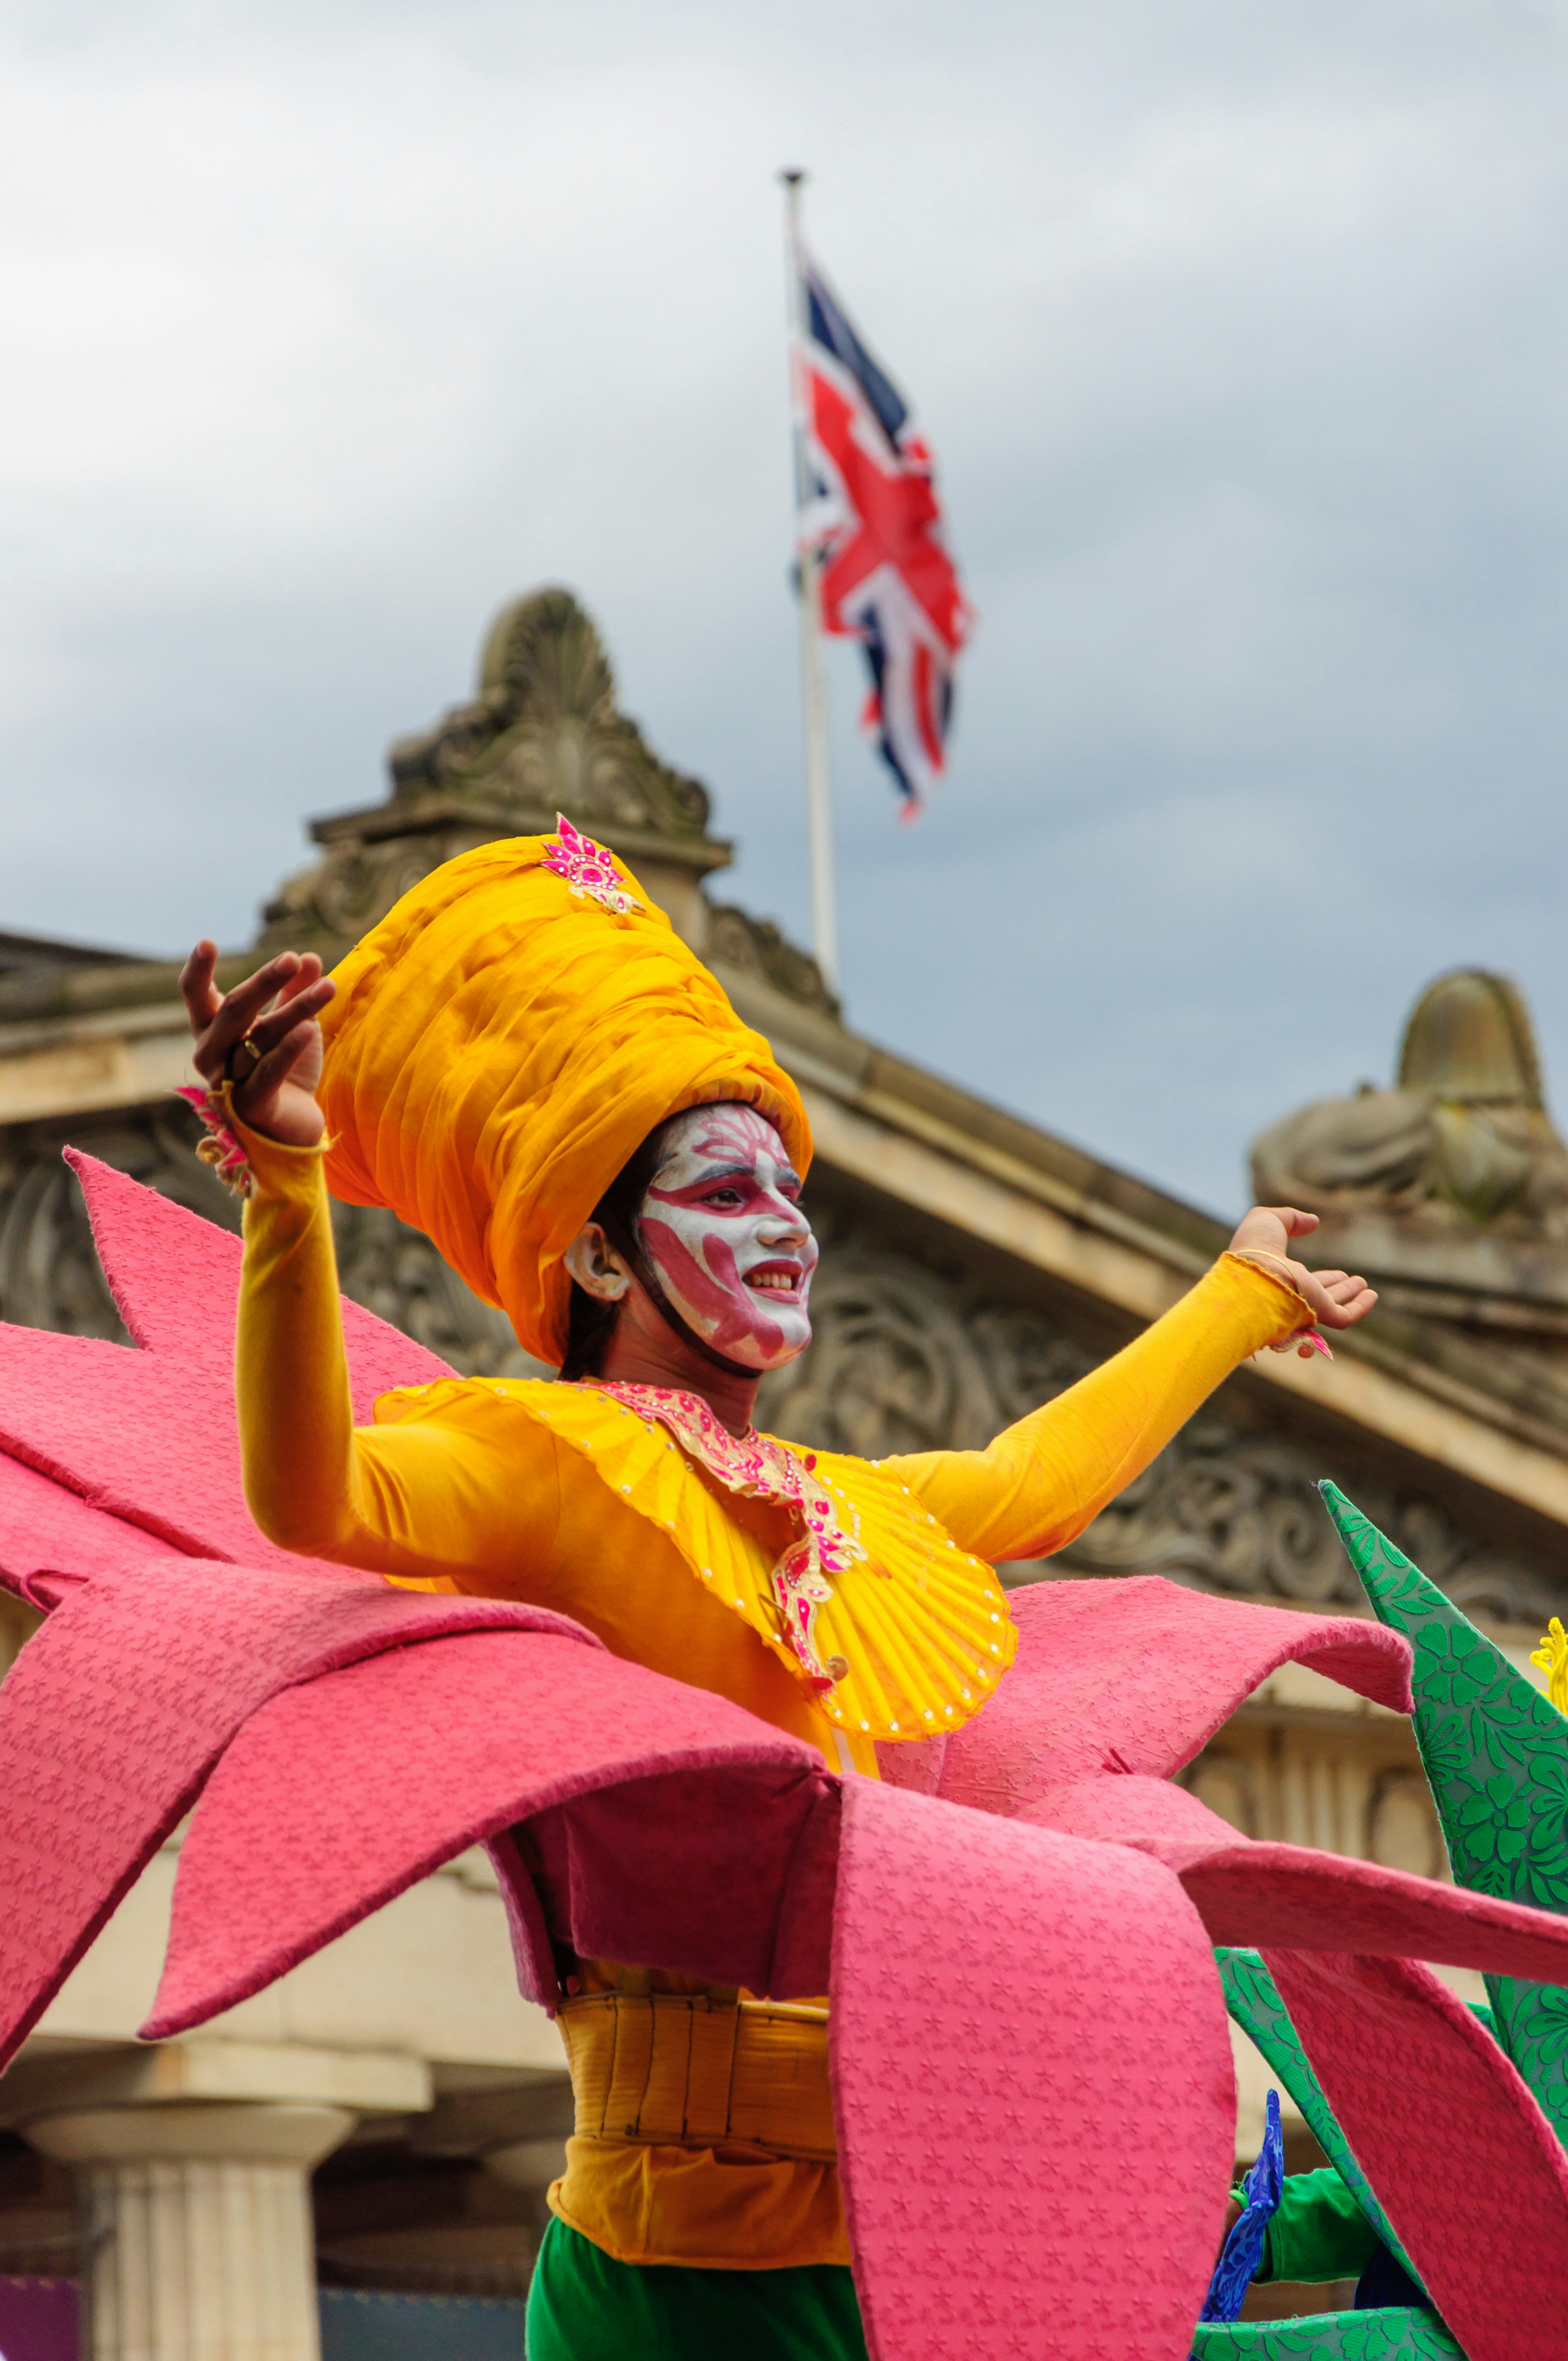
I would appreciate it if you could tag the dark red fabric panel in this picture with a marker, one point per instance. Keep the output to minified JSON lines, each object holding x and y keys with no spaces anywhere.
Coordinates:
{"x":1463,"y":2162}
{"x":339,"y":1794}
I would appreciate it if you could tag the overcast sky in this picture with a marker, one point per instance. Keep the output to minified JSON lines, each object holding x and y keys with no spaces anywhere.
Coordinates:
{"x":1240,"y":336}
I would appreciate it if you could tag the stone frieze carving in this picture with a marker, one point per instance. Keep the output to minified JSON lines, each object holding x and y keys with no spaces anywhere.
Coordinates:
{"x":904,"y":1359}
{"x":395,"y":1272}
{"x":50,"y":1276}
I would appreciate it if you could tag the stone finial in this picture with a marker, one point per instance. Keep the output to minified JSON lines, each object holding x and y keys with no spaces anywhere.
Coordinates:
{"x":542,"y":735}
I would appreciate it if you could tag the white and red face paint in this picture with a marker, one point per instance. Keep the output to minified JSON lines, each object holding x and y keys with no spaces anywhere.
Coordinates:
{"x":723,"y":1226}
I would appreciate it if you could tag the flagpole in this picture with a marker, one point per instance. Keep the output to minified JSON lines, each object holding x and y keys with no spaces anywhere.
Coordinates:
{"x":813,"y":678}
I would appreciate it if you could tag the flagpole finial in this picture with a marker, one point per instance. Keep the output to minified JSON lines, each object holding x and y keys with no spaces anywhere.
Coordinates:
{"x":791,"y":179}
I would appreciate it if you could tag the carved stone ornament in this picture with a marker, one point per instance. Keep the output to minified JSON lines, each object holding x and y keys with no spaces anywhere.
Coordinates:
{"x":542,"y":735}
{"x":756,"y":947}
{"x":1461,"y":1144}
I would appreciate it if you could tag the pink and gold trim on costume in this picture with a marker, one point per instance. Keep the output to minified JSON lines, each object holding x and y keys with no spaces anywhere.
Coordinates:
{"x":587,"y":869}
{"x":763,"y":1469}
{"x":221,"y":1148}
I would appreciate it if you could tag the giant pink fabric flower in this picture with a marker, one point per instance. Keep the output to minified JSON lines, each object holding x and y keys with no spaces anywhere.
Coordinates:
{"x":1015,"y":1926}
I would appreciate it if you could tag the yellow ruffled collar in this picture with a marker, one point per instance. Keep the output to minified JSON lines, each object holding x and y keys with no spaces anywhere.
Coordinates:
{"x":896,"y":1631}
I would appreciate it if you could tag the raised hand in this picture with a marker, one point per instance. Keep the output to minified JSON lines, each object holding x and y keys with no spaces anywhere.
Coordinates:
{"x":1335,"y":1298}
{"x":264,"y":1037}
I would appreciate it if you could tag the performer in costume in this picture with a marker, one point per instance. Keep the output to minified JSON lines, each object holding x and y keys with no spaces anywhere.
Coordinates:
{"x":526,"y":1061}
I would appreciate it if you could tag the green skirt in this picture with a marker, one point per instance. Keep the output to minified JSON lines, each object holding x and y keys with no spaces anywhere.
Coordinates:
{"x":585,"y":2306}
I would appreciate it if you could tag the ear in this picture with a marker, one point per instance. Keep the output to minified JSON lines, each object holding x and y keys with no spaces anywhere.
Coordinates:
{"x":593,"y":1262}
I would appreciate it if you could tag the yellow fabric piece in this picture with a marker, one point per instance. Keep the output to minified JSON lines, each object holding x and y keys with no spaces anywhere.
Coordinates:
{"x":728,"y":2207}
{"x":923,"y":1628}
{"x":497,"y":1048}
{"x":696,"y":2069}
{"x":465,"y":1486}
{"x":1553,"y":1657}
{"x":1044,"y":1480}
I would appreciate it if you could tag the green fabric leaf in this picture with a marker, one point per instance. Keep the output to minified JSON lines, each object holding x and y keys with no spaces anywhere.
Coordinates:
{"x":1390,"y":2335}
{"x":1494,"y":1750}
{"x":1495,"y":1755}
{"x":1252,"y":1998}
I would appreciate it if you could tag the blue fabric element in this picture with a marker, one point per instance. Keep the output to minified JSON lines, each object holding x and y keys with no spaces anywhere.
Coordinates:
{"x":831,"y":329}
{"x":1244,"y":2248}
{"x":373,"y":2326}
{"x":1386,"y":2282}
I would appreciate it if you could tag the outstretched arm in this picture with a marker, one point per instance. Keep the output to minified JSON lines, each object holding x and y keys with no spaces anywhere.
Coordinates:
{"x":1043,"y":1481}
{"x":395,"y":1500}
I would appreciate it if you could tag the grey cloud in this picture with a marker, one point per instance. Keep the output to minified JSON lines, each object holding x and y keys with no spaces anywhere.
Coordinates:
{"x":1240,"y":336}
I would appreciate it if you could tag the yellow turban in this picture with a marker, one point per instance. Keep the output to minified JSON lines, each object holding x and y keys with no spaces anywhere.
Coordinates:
{"x":501,"y":1044}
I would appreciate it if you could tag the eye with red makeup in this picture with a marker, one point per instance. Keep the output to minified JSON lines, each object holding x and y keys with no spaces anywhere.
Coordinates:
{"x":723,"y":1227}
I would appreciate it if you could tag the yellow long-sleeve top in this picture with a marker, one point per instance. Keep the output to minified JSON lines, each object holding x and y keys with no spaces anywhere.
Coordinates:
{"x":561,"y":1495}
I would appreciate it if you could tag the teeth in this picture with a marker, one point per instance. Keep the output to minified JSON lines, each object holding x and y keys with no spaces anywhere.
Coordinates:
{"x":771,"y":1279}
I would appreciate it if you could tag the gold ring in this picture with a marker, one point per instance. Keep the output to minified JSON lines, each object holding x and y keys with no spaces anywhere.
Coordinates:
{"x":248,"y":1043}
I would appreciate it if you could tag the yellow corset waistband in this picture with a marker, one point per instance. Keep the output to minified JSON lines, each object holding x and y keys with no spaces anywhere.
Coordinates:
{"x":693,"y":2072}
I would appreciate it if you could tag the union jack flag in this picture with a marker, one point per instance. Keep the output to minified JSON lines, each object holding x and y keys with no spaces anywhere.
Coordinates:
{"x":870,"y":521}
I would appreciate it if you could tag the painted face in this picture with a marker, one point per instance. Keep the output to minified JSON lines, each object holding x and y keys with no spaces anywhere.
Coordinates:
{"x":723,"y":1226}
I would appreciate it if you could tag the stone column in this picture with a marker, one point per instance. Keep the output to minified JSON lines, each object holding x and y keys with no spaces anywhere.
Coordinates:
{"x":195,"y":2227}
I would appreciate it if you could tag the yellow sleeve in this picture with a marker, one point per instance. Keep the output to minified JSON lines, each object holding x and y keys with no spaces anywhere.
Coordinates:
{"x":408,"y":1500}
{"x":1041,"y":1481}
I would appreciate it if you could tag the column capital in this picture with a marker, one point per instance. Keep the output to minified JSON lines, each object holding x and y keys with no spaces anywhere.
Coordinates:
{"x":48,"y":2079}
{"x":253,"y":2132}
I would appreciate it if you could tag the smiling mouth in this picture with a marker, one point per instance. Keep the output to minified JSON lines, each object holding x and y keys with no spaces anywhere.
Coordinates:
{"x":774,"y":1281}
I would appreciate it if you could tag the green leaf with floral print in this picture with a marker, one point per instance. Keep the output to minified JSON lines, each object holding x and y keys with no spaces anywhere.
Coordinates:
{"x":1394,"y":2334}
{"x":1531,"y":2023}
{"x":1252,"y":1998}
{"x":1494,"y":1750}
{"x":1496,"y":1753}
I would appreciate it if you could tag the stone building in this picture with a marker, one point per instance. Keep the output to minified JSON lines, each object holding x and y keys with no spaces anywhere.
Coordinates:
{"x":973,"y":1266}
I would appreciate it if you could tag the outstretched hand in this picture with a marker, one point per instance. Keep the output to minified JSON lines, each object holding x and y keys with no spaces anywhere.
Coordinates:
{"x":1335,"y":1298}
{"x":264,"y":1036}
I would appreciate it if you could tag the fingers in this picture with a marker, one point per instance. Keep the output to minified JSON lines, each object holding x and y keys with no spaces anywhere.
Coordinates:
{"x":270,"y":1031}
{"x":233,"y":1012}
{"x":1344,"y":1314}
{"x":202,"y":998}
{"x":304,"y":975}
{"x":1297,"y":1224}
{"x":259,"y":1089}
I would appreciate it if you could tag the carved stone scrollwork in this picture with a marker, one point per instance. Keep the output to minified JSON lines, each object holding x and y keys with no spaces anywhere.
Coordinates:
{"x":542,"y":736}
{"x":397,"y":1273}
{"x":50,"y":1276}
{"x":890,"y":1368}
{"x":1226,"y":1509}
{"x":548,"y":689}
{"x":757,"y":948}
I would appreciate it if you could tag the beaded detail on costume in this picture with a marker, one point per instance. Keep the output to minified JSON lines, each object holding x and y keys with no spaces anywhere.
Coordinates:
{"x":765,"y":1470}
{"x":587,"y":869}
{"x":219,"y":1146}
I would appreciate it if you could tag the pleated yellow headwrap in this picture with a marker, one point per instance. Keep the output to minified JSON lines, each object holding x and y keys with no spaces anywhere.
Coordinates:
{"x":501,"y":1044}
